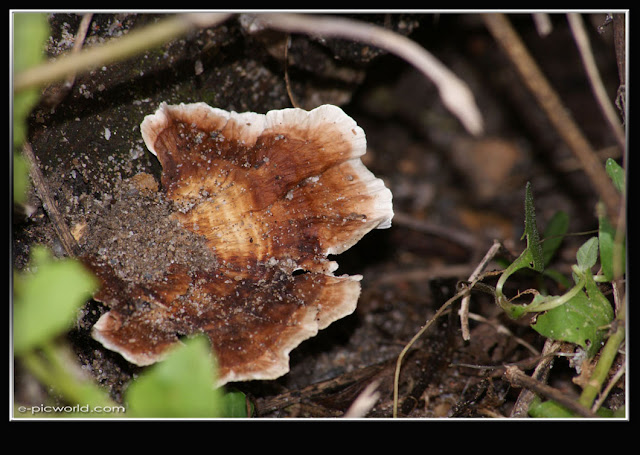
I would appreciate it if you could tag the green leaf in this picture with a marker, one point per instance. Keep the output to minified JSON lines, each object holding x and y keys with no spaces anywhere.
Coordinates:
{"x":581,"y":320}
{"x":554,"y":234}
{"x":531,"y":257}
{"x":531,"y":232}
{"x":587,"y":255}
{"x":183,"y":385}
{"x":30,"y":34}
{"x":46,"y":301}
{"x":612,"y":255}
{"x":616,"y":173}
{"x":598,"y":300}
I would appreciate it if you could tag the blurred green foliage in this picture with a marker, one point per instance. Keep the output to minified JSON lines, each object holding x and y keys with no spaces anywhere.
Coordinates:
{"x":30,"y":34}
{"x":47,"y":298}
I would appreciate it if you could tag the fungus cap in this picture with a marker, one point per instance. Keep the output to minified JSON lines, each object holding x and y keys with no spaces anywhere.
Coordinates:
{"x":272,"y":195}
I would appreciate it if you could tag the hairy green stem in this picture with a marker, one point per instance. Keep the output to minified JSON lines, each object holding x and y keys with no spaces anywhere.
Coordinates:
{"x":558,"y":300}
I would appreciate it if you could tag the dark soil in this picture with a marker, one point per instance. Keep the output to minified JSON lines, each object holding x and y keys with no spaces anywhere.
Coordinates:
{"x":453,"y":194}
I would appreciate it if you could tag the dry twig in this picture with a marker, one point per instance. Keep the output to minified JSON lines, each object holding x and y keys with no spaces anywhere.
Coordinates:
{"x":620,"y":44}
{"x":541,"y":372}
{"x":286,"y":72}
{"x":455,"y":94}
{"x":464,"y":294}
{"x":64,"y":234}
{"x":77,"y":45}
{"x":518,"y":379}
{"x":536,"y":82}
{"x":605,"y":392}
{"x":53,"y":94}
{"x":589,"y":62}
{"x":464,"y":306}
{"x":543,"y":23}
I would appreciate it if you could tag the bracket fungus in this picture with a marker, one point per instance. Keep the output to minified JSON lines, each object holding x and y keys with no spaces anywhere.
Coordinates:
{"x":270,"y":196}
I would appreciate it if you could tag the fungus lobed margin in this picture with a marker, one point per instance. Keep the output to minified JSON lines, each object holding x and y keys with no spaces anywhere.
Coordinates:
{"x":271,"y":195}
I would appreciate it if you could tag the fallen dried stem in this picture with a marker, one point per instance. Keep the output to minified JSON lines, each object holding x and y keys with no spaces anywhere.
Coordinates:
{"x":455,"y":94}
{"x":460,"y":237}
{"x":518,"y":379}
{"x":589,"y":62}
{"x":464,"y":306}
{"x":64,"y":234}
{"x":79,"y":41}
{"x":550,"y":102}
{"x":541,"y":373}
{"x":52,"y":95}
{"x":605,"y":392}
{"x":286,"y":72}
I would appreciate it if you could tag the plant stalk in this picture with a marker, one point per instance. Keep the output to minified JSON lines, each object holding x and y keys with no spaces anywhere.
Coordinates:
{"x":607,"y":357}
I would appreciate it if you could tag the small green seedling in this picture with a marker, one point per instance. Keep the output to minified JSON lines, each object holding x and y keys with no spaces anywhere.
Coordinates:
{"x":582,"y":315}
{"x":532,"y":258}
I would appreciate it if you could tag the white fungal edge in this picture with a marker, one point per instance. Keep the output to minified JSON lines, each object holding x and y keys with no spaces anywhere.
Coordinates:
{"x":251,"y":125}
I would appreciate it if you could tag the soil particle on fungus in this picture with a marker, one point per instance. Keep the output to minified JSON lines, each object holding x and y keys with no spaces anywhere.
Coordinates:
{"x":135,"y":235}
{"x":131,"y":233}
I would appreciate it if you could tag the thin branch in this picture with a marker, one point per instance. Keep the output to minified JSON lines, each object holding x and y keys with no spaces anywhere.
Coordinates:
{"x":77,"y":45}
{"x":547,"y":98}
{"x":53,"y":95}
{"x":424,"y":273}
{"x":286,"y":72}
{"x":543,"y":24}
{"x":541,"y":372}
{"x":464,"y":306}
{"x":64,"y":234}
{"x":603,"y":395}
{"x":620,"y":45}
{"x":135,"y":42}
{"x":455,"y":94}
{"x":589,"y":62}
{"x":518,"y":379}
